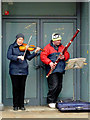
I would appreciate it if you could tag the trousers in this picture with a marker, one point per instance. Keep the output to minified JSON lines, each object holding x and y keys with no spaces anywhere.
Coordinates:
{"x":18,"y":89}
{"x":54,"y":87}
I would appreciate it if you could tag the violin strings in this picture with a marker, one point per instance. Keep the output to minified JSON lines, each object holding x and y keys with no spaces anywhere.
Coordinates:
{"x":27,"y":45}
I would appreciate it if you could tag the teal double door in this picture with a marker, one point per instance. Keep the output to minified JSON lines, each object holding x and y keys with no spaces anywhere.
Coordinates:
{"x":41,"y":31}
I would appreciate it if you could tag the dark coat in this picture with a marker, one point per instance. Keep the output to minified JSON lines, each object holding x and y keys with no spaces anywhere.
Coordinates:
{"x":50,"y":55}
{"x":17,"y":66}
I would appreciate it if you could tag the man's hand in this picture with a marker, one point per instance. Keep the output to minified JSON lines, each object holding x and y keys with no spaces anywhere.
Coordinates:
{"x":62,"y":57}
{"x":52,"y":65}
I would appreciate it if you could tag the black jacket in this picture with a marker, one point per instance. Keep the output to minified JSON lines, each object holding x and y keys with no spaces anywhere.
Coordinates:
{"x":17,"y":66}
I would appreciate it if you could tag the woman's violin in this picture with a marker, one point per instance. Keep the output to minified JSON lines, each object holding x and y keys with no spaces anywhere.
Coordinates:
{"x":30,"y":48}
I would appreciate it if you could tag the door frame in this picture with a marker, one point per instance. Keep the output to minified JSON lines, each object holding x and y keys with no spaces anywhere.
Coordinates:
{"x":76,"y":72}
{"x":42,"y":19}
{"x":36,"y":100}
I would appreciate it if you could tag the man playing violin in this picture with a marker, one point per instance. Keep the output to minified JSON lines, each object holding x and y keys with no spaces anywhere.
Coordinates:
{"x":18,"y":70}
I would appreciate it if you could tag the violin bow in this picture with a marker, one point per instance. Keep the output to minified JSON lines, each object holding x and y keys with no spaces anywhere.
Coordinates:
{"x":27,"y":45}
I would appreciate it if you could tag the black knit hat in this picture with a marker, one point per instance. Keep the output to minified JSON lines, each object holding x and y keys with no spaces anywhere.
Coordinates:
{"x":19,"y":35}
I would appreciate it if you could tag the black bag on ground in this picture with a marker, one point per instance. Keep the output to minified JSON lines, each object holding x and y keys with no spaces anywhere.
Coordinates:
{"x":72,"y":106}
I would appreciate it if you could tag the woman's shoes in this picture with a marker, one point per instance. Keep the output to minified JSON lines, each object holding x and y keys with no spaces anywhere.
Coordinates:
{"x":15,"y":108}
{"x":18,"y":108}
{"x":22,"y":108}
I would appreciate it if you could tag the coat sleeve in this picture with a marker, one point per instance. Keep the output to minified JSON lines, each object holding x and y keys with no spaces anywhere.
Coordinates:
{"x":30,"y":56}
{"x":10,"y":56}
{"x":66,"y":55}
{"x":44,"y":56}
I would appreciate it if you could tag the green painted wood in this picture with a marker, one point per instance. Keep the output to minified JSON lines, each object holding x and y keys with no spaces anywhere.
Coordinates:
{"x":65,"y":28}
{"x":89,"y":52}
{"x":85,"y":86}
{"x":0,"y":54}
{"x":36,"y":90}
{"x":53,"y":9}
{"x":12,"y":28}
{"x":40,"y":8}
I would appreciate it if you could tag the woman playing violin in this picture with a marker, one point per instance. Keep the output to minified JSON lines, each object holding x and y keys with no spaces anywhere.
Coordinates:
{"x":18,"y":70}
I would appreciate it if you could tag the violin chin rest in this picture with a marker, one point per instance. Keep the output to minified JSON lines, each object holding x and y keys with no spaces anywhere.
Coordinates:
{"x":22,"y":48}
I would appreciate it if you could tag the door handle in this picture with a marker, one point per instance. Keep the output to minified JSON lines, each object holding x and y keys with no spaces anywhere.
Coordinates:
{"x":42,"y":66}
{"x":39,"y":66}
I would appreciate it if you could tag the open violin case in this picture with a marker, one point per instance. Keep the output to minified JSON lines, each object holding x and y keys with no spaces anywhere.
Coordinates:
{"x":73,"y":106}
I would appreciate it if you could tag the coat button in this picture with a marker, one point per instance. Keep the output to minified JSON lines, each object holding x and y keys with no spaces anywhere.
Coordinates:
{"x":56,"y":55}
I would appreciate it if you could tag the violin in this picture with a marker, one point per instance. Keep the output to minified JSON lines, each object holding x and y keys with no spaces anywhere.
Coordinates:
{"x":30,"y":48}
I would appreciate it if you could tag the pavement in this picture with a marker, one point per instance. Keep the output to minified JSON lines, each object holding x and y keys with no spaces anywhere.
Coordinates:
{"x":40,"y":112}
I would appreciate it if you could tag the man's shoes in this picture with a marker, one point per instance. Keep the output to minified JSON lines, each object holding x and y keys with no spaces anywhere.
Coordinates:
{"x":52,"y":105}
{"x":22,"y":108}
{"x":15,"y":108}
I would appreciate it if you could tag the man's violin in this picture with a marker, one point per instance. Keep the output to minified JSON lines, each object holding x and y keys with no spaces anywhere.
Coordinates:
{"x":30,"y":47}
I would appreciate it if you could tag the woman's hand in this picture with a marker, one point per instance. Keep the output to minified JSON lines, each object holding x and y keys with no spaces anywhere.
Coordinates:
{"x":37,"y":49}
{"x":21,"y":57}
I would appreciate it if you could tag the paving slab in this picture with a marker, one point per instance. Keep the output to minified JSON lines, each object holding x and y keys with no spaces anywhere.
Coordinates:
{"x":40,"y":112}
